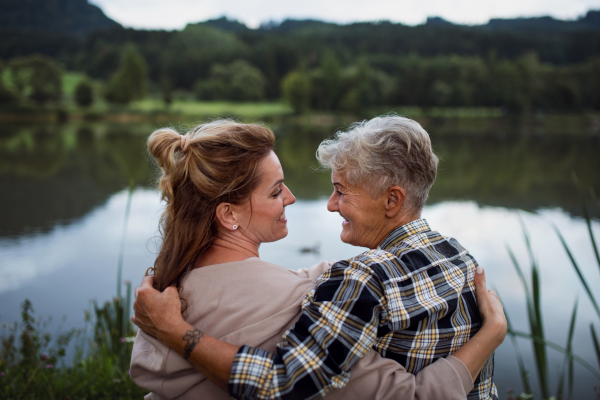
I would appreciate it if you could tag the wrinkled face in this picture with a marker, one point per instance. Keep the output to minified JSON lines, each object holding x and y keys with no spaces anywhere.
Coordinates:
{"x":265,"y":213}
{"x":364,"y":217}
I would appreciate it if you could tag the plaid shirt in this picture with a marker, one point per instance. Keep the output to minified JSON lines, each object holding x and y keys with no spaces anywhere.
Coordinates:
{"x":412,"y":299}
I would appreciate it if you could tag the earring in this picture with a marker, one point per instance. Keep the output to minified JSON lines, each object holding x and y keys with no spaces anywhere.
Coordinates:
{"x":234,"y":227}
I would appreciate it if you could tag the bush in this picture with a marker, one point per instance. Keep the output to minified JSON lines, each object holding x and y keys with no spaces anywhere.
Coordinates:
{"x":6,"y":95}
{"x":238,"y":81}
{"x":129,"y":82}
{"x":84,"y":94}
{"x":32,"y":364}
{"x":37,"y":77}
{"x":296,"y":89}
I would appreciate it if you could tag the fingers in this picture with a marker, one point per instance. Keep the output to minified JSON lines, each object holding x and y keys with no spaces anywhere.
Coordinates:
{"x":148,"y":281}
{"x":480,"y":278}
{"x":481,"y":293}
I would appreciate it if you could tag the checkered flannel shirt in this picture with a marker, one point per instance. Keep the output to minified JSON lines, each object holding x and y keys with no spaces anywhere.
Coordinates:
{"x":412,"y":299}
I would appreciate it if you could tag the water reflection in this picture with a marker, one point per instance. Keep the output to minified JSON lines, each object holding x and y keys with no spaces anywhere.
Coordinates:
{"x":63,"y":204}
{"x":58,"y":173}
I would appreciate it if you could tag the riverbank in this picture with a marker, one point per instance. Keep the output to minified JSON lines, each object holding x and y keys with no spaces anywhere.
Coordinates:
{"x":436,"y":119}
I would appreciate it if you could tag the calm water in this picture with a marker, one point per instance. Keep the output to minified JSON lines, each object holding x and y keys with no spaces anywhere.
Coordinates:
{"x":64,"y":194}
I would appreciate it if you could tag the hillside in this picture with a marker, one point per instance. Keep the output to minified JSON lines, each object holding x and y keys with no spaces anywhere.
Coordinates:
{"x":53,"y":16}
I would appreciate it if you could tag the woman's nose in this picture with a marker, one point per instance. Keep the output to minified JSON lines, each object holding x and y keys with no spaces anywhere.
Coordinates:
{"x":332,"y":203}
{"x":290,"y":198}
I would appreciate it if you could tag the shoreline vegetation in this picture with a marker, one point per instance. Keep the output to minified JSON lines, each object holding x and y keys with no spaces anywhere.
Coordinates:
{"x":438,"y":119}
{"x":185,"y":108}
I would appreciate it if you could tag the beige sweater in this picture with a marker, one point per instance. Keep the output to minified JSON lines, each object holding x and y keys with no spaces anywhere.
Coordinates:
{"x":253,"y":302}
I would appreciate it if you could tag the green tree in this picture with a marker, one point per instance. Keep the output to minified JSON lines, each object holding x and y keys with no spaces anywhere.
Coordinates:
{"x":37,"y":78}
{"x":237,"y":81}
{"x":84,"y":93}
{"x":6,"y":95}
{"x":167,"y":90}
{"x":327,"y":83}
{"x":128,"y":83}
{"x":296,"y":88}
{"x":366,"y":87}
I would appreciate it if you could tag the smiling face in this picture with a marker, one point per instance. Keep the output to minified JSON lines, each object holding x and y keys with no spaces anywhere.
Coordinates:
{"x":365,"y":223}
{"x":264,"y":215}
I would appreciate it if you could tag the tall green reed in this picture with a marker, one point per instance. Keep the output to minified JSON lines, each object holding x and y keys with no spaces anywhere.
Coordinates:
{"x":533,"y":300}
{"x":33,"y":365}
{"x":124,"y":237}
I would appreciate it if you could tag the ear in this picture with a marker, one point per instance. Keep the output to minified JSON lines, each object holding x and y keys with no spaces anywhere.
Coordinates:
{"x":227,"y":216}
{"x":394,"y":197}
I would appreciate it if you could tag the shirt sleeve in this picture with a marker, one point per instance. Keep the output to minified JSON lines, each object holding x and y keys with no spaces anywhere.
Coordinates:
{"x":338,"y":325}
{"x":376,"y":378}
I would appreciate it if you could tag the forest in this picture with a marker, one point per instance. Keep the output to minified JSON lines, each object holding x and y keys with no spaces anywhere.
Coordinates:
{"x":519,"y":65}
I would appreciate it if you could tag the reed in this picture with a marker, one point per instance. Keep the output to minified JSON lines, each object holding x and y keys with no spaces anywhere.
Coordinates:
{"x":33,"y":365}
{"x":536,"y":335}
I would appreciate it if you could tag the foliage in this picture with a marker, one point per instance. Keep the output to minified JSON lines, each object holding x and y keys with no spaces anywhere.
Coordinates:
{"x":84,"y":93}
{"x":194,"y":50}
{"x":588,"y":291}
{"x":37,"y":78}
{"x":534,"y":313}
{"x":33,"y":364}
{"x":539,"y":343}
{"x":237,"y":81}
{"x":296,"y":88}
{"x":72,"y":16}
{"x":128,"y":83}
{"x":351,"y":67}
{"x":6,"y":95}
{"x":327,"y":83}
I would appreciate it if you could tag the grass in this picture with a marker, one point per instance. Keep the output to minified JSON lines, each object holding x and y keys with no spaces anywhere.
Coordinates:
{"x":70,"y":80}
{"x":537,"y":335}
{"x":33,"y":366}
{"x":221,"y":108}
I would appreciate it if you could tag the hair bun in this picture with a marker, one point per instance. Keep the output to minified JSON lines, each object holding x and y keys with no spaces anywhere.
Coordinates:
{"x":162,"y":144}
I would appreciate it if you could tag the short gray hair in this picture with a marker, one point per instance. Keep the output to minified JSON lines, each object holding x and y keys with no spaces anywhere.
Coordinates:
{"x":383,"y":152}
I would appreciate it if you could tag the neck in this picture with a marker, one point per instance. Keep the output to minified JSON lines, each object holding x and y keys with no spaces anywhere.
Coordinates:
{"x":228,"y":247}
{"x":395,"y":224}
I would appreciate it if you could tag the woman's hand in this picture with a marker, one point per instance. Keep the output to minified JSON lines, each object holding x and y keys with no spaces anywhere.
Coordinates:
{"x":475,"y":353}
{"x":490,"y":308}
{"x":156,"y":312}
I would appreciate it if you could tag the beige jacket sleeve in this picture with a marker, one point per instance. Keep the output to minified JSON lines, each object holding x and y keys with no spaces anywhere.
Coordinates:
{"x":375,"y":377}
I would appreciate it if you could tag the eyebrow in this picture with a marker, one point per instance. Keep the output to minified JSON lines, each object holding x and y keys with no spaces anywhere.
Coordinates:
{"x":279,"y":181}
{"x":339,"y":184}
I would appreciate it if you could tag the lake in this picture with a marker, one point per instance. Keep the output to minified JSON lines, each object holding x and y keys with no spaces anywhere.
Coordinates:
{"x":64,"y":194}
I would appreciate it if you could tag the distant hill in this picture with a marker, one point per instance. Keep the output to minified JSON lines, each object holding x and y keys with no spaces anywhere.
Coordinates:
{"x":53,"y":16}
{"x":290,"y":25}
{"x":590,"y":21}
{"x":225,"y":24}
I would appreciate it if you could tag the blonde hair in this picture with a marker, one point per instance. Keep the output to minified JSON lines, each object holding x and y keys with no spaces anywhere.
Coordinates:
{"x":214,"y":163}
{"x":383,"y":152}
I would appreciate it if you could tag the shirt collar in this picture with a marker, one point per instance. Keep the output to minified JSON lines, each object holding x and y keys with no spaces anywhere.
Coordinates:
{"x":403,"y":232}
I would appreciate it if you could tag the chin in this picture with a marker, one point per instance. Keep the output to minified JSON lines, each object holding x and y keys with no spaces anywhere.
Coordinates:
{"x":346,"y":239}
{"x":281,"y":236}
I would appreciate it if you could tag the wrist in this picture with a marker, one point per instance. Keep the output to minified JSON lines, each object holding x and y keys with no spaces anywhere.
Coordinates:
{"x":494,"y":330}
{"x":172,"y":337}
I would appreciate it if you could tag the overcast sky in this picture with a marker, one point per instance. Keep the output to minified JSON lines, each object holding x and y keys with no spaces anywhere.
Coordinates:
{"x":175,"y":14}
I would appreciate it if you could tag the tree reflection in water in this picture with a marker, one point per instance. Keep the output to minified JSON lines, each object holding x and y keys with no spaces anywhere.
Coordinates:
{"x":53,"y":174}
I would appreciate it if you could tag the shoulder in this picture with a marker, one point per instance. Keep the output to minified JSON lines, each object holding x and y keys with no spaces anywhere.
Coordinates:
{"x":362,"y":269}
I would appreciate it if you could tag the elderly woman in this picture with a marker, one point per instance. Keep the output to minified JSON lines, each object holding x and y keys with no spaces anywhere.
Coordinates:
{"x":411,"y":297}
